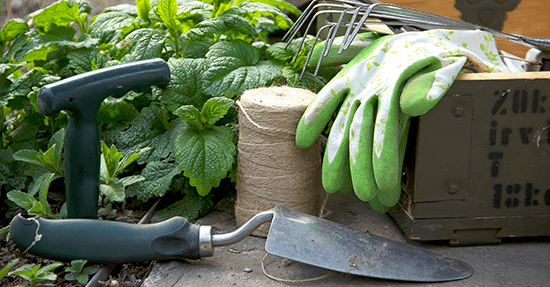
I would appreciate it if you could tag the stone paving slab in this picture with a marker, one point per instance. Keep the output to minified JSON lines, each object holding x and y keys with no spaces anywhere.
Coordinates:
{"x":521,"y":262}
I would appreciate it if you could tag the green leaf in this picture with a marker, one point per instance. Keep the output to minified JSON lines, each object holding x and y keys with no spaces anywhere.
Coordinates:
{"x":82,"y":278}
{"x":12,"y":30}
{"x":282,"y":5}
{"x":57,"y":140}
{"x":13,"y":174}
{"x":223,"y":79}
{"x":21,"y":199}
{"x":76,"y":266}
{"x":30,"y":156}
{"x":196,"y":49}
{"x":185,"y":84}
{"x":116,"y":111}
{"x":191,"y":116}
{"x":161,"y":147}
{"x":114,"y":162}
{"x":26,"y":271}
{"x":71,"y":276}
{"x":144,"y":6}
{"x":308,"y":81}
{"x":241,"y":52}
{"x":114,"y":191}
{"x":158,"y":177}
{"x":205,"y":157}
{"x":83,"y":60}
{"x":215,"y":109}
{"x":129,"y":180}
{"x":142,"y":132}
{"x":83,"y":6}
{"x":278,"y":52}
{"x":34,"y":78}
{"x":45,"y":274}
{"x":256,"y":10}
{"x":42,"y":181}
{"x":109,"y":162}
{"x":233,"y":68}
{"x":236,"y":24}
{"x":191,"y":207}
{"x":59,"y":14}
{"x":90,"y":270}
{"x":8,"y":267}
{"x":49,"y":161}
{"x":39,"y":46}
{"x":167,"y":11}
{"x":129,"y":9}
{"x":146,"y":44}
{"x":113,"y":20}
{"x":207,"y":29}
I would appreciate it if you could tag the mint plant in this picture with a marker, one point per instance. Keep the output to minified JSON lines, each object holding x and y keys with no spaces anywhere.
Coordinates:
{"x":216,"y":49}
{"x":8,"y":267}
{"x":48,"y":167}
{"x":78,"y":272}
{"x":35,"y":275}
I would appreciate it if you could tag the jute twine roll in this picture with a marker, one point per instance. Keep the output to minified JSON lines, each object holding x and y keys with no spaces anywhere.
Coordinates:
{"x":272,"y":169}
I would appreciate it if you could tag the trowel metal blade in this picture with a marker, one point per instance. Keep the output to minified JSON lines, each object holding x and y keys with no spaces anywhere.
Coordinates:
{"x":334,"y":246}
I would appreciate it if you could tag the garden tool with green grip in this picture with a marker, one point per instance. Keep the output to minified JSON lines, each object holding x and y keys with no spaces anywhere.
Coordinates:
{"x":81,"y":96}
{"x":394,"y":78}
{"x":292,"y":235}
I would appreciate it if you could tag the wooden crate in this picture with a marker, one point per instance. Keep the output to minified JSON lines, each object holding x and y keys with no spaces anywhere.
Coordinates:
{"x":477,"y":167}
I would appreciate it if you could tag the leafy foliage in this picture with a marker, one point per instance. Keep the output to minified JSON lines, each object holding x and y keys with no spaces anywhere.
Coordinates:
{"x":36,"y":275}
{"x":152,"y":139}
{"x":78,"y":272}
{"x":8,"y":267}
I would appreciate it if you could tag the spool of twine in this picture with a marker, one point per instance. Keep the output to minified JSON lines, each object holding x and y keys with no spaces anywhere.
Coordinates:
{"x":272,"y":169}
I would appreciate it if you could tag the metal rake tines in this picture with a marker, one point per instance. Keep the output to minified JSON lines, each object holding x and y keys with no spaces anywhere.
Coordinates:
{"x":361,"y":15}
{"x":333,"y":27}
{"x":397,"y":18}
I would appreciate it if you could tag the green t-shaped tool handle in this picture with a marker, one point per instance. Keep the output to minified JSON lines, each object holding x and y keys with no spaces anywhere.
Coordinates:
{"x":81,"y":96}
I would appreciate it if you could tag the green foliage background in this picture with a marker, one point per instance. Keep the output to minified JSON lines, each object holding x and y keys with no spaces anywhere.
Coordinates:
{"x":185,"y":134}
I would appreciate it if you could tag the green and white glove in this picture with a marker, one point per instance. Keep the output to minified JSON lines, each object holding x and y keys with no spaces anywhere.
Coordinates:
{"x":392,"y":79}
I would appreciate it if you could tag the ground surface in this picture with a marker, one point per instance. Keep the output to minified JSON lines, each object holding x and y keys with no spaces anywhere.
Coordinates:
{"x":521,"y":262}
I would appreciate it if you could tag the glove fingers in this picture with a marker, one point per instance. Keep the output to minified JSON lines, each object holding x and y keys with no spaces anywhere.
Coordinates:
{"x":424,"y":89}
{"x":391,"y":197}
{"x":377,"y":206}
{"x":319,"y":112}
{"x":386,"y":146}
{"x":361,"y":131}
{"x":347,"y":186}
{"x":336,"y":159}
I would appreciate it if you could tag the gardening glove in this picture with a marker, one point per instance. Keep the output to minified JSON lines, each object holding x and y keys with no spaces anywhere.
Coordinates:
{"x":392,"y":79}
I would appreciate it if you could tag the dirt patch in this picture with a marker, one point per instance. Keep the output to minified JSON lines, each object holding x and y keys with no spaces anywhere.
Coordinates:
{"x":354,"y":261}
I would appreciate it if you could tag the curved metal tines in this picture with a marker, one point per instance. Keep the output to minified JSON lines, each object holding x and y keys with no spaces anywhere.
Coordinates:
{"x":397,"y":18}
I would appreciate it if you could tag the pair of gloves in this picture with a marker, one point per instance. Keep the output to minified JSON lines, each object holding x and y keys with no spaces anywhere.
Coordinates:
{"x":392,"y":79}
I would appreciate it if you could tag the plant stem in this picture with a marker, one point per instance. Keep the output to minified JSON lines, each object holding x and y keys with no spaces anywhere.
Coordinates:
{"x":185,"y":48}
{"x":2,"y":120}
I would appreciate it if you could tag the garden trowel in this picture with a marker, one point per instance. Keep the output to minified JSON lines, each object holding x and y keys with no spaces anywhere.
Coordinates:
{"x":292,"y":235}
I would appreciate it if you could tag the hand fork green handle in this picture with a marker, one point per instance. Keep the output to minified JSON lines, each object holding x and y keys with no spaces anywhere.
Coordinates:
{"x":81,"y":96}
